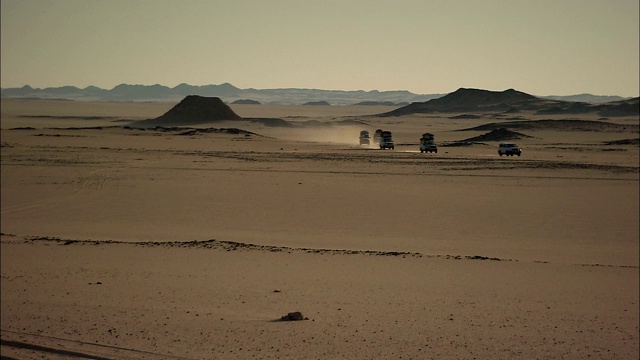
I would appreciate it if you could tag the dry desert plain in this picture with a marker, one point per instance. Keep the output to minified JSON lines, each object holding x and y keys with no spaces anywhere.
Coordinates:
{"x":123,"y":243}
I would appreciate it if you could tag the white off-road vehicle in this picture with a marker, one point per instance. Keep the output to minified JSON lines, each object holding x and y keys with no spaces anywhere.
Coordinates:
{"x":386,"y":140}
{"x":364,"y":137}
{"x":427,"y":143}
{"x":509,"y":149}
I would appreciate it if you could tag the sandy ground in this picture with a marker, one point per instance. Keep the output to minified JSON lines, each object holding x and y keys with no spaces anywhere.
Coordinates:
{"x":146,"y":244}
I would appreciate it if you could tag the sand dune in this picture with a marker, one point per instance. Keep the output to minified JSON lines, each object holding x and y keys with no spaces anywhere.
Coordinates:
{"x":193,"y":242}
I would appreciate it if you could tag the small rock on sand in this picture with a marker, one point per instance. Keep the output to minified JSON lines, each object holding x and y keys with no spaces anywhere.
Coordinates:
{"x":293,"y":316}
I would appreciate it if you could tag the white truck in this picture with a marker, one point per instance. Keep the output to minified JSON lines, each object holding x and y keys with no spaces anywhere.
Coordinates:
{"x":427,"y":143}
{"x":364,"y":137}
{"x":386,"y":140}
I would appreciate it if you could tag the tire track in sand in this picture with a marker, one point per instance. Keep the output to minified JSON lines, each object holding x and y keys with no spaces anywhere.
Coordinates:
{"x":92,"y":183}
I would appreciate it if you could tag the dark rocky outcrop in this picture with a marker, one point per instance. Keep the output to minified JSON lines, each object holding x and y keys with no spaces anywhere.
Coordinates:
{"x":500,"y":134}
{"x":192,"y":110}
{"x":322,"y":103}
{"x":563,"y":125}
{"x":466,"y":116}
{"x":381,"y":103}
{"x":512,"y":101}
{"x":293,"y":316}
{"x":619,"y":108}
{"x":635,"y":141}
{"x":247,"y":102}
{"x":469,"y":100}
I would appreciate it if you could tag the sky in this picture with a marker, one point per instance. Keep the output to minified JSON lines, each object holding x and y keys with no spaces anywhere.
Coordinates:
{"x":541,"y":47}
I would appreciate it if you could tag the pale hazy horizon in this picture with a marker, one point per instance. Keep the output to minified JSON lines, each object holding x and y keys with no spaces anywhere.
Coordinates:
{"x":426,"y":47}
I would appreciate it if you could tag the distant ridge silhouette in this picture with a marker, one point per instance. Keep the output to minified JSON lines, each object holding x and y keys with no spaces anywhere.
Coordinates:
{"x":226,"y":91}
{"x":230,"y":93}
{"x":511,"y":101}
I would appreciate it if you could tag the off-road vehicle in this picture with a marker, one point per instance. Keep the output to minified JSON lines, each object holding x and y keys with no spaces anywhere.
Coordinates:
{"x":509,"y":149}
{"x":386,"y":140}
{"x":364,"y":137}
{"x":427,"y":143}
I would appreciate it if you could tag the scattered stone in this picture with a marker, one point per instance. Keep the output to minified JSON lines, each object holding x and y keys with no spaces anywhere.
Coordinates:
{"x":293,"y":316}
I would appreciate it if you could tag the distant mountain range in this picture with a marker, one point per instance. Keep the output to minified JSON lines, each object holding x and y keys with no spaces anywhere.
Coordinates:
{"x":229,"y":93}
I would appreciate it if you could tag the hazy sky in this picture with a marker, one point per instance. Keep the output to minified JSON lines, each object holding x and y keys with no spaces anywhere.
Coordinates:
{"x":541,"y":47}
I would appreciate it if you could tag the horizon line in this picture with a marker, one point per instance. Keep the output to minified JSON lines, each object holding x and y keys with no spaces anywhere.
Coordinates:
{"x":296,"y":88}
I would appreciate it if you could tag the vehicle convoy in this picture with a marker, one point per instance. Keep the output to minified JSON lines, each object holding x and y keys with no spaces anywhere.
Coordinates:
{"x":427,"y":143}
{"x":376,"y":136}
{"x":509,"y":149}
{"x":386,"y":140}
{"x":364,"y":137}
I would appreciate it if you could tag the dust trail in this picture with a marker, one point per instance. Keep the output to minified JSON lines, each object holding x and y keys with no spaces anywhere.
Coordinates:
{"x":345,"y":135}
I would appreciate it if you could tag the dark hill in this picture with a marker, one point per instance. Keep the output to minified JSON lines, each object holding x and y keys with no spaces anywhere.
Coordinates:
{"x":499,"y":134}
{"x":470,"y":100}
{"x":566,"y":125}
{"x":320,"y":103}
{"x":510,"y":101}
{"x":247,"y":102}
{"x":482,"y":98}
{"x":635,"y":141}
{"x":620,"y":108}
{"x":191,"y":110}
{"x":381,"y":103}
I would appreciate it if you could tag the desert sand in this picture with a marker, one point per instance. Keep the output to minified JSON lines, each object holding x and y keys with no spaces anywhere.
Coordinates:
{"x":124,"y":243}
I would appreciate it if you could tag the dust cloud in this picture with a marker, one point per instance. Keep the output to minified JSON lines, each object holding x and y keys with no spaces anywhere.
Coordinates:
{"x":345,"y":135}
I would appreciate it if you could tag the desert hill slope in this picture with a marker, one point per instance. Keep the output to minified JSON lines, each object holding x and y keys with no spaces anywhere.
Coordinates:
{"x":499,"y":134}
{"x":511,"y":101}
{"x":562,"y":125}
{"x":193,"y":109}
